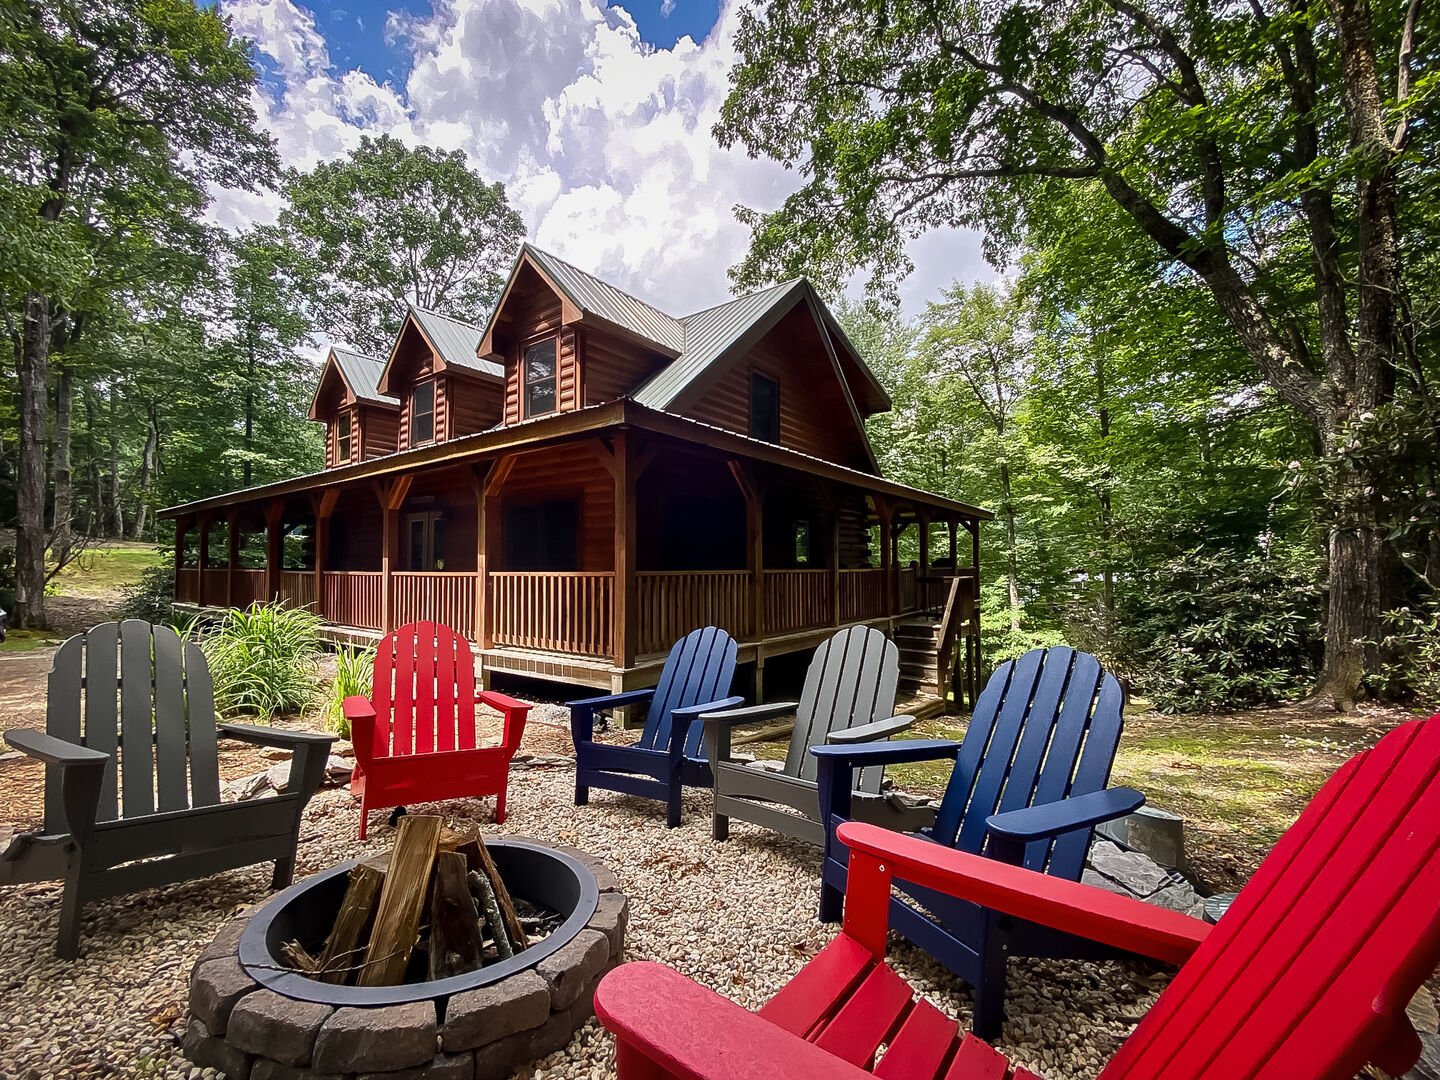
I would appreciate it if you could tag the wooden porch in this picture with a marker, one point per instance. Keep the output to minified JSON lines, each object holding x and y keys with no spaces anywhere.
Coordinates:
{"x":608,"y":622}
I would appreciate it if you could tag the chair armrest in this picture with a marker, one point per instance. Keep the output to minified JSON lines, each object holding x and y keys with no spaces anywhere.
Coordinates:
{"x":1051,"y":819}
{"x":750,"y":714}
{"x":879,"y":730}
{"x":360,"y":713}
{"x":680,"y":720}
{"x":515,"y":713}
{"x":877,"y":856}
{"x":265,"y":736}
{"x":582,"y":712}
{"x":53,"y":751}
{"x":692,"y":1033}
{"x":887,"y":753}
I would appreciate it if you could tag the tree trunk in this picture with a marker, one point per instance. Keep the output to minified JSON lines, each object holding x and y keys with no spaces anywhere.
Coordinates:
{"x":114,"y":513}
{"x":94,"y":520}
{"x":62,"y":533}
{"x":1007,"y":509}
{"x":147,"y":469}
{"x":30,"y":487}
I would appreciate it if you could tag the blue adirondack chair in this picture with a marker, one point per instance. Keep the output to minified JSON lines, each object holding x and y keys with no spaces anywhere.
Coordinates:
{"x":669,"y":754}
{"x":1027,"y":788}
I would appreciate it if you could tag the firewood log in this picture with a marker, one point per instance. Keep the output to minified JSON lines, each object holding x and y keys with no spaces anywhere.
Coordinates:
{"x":456,"y":945}
{"x":342,"y":955}
{"x":402,"y":899}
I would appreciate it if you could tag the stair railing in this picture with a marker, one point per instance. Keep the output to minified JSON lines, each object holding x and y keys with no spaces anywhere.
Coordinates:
{"x":957,"y":660}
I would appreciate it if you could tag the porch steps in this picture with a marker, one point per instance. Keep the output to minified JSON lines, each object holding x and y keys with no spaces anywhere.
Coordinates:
{"x":918,"y":640}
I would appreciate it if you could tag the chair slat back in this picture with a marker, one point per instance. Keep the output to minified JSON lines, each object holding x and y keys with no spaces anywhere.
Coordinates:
{"x":1309,"y":972}
{"x":425,"y":685}
{"x":851,"y":681}
{"x":137,"y":693}
{"x":699,"y":669}
{"x":1046,"y":726}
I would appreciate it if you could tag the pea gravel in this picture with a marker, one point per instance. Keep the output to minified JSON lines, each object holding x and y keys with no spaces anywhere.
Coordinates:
{"x":737,"y":916}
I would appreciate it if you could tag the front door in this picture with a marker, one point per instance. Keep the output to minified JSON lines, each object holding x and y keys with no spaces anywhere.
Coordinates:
{"x":425,"y":541}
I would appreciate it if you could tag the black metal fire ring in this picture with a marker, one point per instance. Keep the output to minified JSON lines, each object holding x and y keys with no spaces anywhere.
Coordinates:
{"x":569,"y":881}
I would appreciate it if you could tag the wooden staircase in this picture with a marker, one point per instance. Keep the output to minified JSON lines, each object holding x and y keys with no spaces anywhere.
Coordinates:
{"x":918,"y":639}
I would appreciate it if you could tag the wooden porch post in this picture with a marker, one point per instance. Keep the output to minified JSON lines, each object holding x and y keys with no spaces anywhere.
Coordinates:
{"x":181,"y":527}
{"x":392,"y":497}
{"x":487,"y":537}
{"x":324,"y":507}
{"x":954,"y":563}
{"x":626,"y":600}
{"x":232,"y":555}
{"x":274,"y":549}
{"x":884,"y":511}
{"x":754,"y":493}
{"x":834,"y":563}
{"x":203,"y":563}
{"x":922,"y":586}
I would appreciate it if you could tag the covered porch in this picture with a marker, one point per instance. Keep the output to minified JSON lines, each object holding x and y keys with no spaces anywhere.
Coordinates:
{"x":579,"y":548}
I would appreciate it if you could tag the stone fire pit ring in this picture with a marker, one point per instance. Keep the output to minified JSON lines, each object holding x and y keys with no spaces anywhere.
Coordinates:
{"x":254,"y":1022}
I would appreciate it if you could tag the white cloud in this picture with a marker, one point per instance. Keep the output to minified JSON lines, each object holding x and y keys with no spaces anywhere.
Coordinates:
{"x":602,"y":140}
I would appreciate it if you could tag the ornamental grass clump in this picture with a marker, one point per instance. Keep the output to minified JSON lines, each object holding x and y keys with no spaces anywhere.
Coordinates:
{"x":354,"y":674}
{"x":264,"y":660}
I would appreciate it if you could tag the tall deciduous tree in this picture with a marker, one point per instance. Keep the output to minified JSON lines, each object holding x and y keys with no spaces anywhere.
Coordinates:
{"x":113,"y":109}
{"x":1259,"y":146}
{"x":391,"y":224}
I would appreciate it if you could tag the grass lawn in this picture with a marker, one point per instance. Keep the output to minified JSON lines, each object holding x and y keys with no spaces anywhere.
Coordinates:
{"x":106,"y":569}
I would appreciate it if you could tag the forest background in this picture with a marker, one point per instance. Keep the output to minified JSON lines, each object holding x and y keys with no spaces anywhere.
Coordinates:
{"x":1211,"y":451}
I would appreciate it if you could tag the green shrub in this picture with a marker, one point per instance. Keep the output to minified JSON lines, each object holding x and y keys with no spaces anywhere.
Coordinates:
{"x":1412,"y":648}
{"x":354,"y":674}
{"x":264,"y":660}
{"x":1004,"y":638}
{"x":1211,"y":631}
{"x":152,"y":598}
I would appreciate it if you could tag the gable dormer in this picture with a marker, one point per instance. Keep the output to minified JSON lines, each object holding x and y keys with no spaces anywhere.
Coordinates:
{"x":567,"y":340}
{"x":360,"y":421}
{"x":444,"y":389}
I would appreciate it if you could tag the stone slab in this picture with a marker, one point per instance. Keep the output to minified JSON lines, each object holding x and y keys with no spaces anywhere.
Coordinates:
{"x":215,"y":988}
{"x":383,"y":1040}
{"x":212,"y":1052}
{"x":277,"y":1027}
{"x":573,"y":966}
{"x":487,"y":1013}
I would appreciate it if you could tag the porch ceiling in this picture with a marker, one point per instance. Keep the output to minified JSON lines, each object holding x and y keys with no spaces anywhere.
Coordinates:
{"x":595,"y":420}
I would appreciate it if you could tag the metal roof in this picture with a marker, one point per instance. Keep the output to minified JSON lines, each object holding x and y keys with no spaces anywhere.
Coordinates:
{"x":600,"y":298}
{"x":362,"y":375}
{"x":455,"y":341}
{"x":709,"y":334}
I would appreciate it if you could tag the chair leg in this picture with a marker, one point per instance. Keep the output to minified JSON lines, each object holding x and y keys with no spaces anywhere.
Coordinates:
{"x":72,"y":905}
{"x":582,"y":792}
{"x":990,"y":990}
{"x":284,"y":873}
{"x":672,"y":807}
{"x":832,"y":890}
{"x":720,"y":826}
{"x":500,"y":806}
{"x":364,"y":818}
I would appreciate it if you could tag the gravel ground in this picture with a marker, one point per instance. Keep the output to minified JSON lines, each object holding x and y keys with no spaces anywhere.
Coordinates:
{"x":739,"y":917}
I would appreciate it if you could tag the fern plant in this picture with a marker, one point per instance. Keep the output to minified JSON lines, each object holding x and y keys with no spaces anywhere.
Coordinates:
{"x":354,"y":674}
{"x":264,"y":660}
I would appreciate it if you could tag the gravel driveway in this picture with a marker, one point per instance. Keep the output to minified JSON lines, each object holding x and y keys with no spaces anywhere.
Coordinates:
{"x":739,"y":916}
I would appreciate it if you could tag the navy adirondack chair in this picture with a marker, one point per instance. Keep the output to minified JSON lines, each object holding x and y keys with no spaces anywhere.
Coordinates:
{"x":1028,"y":787}
{"x":669,"y":755}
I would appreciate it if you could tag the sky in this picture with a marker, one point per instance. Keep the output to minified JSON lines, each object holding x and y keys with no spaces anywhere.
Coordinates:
{"x":595,"y":116}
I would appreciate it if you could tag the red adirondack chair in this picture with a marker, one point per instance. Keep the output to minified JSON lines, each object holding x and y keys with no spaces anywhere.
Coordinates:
{"x":415,"y":735}
{"x":1307,"y":976}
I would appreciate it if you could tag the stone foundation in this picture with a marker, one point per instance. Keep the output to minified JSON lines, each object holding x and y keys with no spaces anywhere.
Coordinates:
{"x":252,"y":1033}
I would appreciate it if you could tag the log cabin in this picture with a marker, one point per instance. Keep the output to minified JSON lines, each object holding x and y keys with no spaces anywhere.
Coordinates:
{"x":584,"y":478}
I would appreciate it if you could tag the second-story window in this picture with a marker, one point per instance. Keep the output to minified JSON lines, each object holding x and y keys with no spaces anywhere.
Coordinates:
{"x":764,"y":408}
{"x":539,"y":378}
{"x":343,"y":446}
{"x":422,"y":414}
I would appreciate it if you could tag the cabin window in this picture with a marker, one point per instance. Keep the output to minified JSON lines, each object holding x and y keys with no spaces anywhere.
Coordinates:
{"x":426,"y":541}
{"x":422,"y":414}
{"x":543,"y":536}
{"x":343,"y":439}
{"x":764,"y":408}
{"x":539,"y":378}
{"x":802,"y":543}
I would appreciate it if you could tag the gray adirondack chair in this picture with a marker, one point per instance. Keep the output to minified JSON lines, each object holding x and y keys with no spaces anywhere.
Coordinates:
{"x":143,"y":782}
{"x":849,"y":697}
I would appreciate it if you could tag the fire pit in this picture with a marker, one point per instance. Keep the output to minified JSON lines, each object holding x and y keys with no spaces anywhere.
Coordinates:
{"x":255,"y":1017}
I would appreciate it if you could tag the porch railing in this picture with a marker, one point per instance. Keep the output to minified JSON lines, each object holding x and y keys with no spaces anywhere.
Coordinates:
{"x":297,"y":588}
{"x":353,"y":598}
{"x":672,"y":603}
{"x":447,"y":598}
{"x":862,"y":595}
{"x":909,"y":589}
{"x":187,"y":585}
{"x":249,"y":587}
{"x":556,"y":612}
{"x":796,"y":600}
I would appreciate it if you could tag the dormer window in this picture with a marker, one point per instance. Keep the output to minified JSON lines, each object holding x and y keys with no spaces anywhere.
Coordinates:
{"x":422,"y":414}
{"x":538,"y":369}
{"x":343,"y":439}
{"x":764,"y":408}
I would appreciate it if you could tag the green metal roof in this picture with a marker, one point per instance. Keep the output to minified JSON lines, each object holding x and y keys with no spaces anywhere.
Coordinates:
{"x":456,"y":341}
{"x":597,"y":297}
{"x":708,"y":335}
{"x":362,"y":375}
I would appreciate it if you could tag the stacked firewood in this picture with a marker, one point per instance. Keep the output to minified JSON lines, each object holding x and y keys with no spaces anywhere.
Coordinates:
{"x":438,"y":891}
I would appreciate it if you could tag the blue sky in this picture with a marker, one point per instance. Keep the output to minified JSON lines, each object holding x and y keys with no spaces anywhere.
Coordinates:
{"x":358,"y":38}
